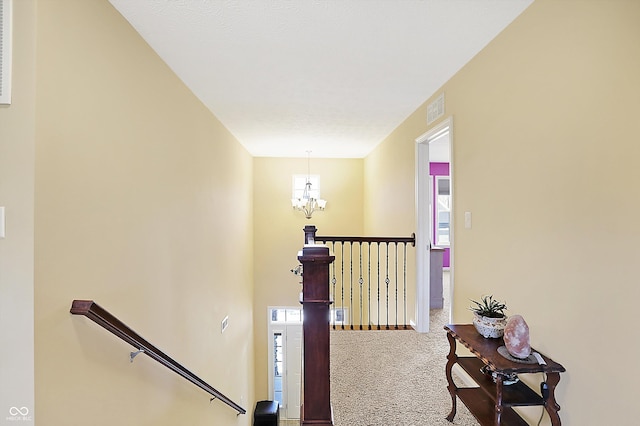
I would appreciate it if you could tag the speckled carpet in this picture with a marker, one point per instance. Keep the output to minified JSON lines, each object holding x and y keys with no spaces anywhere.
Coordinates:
{"x":393,"y":378}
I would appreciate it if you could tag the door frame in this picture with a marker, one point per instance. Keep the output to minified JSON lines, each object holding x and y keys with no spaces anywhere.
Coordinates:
{"x":423,"y":225}
{"x":284,"y":328}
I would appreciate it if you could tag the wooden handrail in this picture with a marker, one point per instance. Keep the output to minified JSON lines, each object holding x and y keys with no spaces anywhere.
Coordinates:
{"x":100,"y":316}
{"x":409,"y":240}
{"x":310,"y":236}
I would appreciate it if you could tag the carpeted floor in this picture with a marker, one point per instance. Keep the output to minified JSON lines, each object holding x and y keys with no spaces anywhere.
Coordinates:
{"x":393,"y":378}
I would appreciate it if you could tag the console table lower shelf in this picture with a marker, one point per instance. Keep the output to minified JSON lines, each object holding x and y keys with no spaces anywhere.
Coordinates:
{"x":492,"y":402}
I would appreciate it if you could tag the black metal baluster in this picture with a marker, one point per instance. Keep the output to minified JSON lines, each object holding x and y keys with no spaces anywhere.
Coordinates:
{"x":396,"y":267}
{"x":369,"y":285}
{"x":360,"y":280}
{"x":342,"y":282}
{"x":386,"y":281}
{"x":378,"y":260}
{"x":351,"y":285}
{"x":404,"y":283}
{"x":333,"y":284}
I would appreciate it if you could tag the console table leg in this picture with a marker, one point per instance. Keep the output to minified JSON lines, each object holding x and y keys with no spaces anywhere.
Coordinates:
{"x":550,"y":404}
{"x":499,"y":399}
{"x":451,"y":360}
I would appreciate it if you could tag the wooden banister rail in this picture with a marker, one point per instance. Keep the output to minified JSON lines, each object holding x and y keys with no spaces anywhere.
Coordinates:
{"x":100,"y":316}
{"x":310,"y":237}
{"x":409,"y":240}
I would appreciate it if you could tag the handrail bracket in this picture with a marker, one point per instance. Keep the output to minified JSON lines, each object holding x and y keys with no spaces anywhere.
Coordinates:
{"x":132,"y":355}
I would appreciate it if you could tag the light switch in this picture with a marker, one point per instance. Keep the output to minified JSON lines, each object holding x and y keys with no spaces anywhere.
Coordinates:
{"x":467,"y":220}
{"x":1,"y":222}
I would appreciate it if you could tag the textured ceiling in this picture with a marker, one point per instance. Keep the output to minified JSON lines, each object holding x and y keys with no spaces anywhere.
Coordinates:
{"x":331,"y":77}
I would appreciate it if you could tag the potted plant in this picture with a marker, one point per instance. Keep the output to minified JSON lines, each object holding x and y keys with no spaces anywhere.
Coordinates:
{"x":489,"y":317}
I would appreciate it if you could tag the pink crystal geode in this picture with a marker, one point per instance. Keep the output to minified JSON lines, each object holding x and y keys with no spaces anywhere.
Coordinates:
{"x":516,"y":337}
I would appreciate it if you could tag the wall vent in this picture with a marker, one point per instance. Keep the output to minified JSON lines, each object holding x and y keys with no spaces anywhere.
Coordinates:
{"x":435,"y":109}
{"x":5,"y":52}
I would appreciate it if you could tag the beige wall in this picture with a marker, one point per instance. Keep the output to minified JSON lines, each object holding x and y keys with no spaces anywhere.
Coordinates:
{"x":17,"y":144}
{"x":390,"y":182}
{"x":389,"y":195}
{"x":545,"y":149}
{"x":146,"y":207}
{"x":279,"y":232}
{"x":143,"y":203}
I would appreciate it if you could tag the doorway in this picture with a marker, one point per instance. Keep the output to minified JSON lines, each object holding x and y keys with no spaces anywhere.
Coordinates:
{"x":434,"y":216}
{"x":285,"y":359}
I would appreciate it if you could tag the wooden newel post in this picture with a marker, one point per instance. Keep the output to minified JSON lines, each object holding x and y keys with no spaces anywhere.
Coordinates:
{"x":316,"y":404}
{"x":310,"y":234}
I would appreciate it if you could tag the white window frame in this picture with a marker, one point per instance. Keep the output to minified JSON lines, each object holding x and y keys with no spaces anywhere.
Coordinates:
{"x":275,"y":327}
{"x":442,"y":207}
{"x":298,"y":183}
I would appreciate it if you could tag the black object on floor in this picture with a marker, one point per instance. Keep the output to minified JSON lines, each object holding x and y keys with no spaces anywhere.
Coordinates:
{"x":266,"y":413}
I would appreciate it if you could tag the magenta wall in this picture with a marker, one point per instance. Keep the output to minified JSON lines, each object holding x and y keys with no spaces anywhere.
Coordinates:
{"x":439,"y":169}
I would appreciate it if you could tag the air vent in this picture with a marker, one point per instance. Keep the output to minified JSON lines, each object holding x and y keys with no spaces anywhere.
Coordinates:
{"x":435,"y":109}
{"x":5,"y":51}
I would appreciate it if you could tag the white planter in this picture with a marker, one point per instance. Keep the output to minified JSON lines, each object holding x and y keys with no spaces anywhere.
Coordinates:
{"x":491,"y":328}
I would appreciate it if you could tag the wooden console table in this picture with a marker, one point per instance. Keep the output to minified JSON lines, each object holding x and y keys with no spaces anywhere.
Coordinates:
{"x":491,"y":402}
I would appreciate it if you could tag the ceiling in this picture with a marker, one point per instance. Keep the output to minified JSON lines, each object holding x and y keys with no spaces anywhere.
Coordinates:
{"x":331,"y":77}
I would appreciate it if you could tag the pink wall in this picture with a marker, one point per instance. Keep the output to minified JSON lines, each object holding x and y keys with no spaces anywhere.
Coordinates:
{"x":439,"y":169}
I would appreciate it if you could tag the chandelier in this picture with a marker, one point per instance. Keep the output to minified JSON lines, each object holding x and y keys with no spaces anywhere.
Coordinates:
{"x":308,"y":203}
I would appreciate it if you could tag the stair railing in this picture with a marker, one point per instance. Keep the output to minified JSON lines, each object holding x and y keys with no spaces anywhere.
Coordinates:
{"x":100,"y":316}
{"x":368,"y":280}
